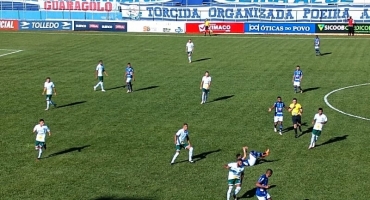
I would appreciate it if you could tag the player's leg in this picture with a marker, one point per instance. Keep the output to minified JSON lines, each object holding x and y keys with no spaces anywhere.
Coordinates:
{"x":299,"y":123}
{"x":190,"y":148}
{"x":231,"y":184}
{"x":47,"y":102}
{"x":38,"y":147}
{"x":237,"y":189}
{"x":203,"y":96}
{"x":268,"y":197}
{"x":295,"y":87}
{"x":299,"y":87}
{"x":98,"y":84}
{"x":206,"y":95}
{"x":281,"y":125}
{"x":294,"y":120}
{"x":178,"y":148}
{"x":101,"y":83}
{"x":275,"y":123}
{"x":314,"y":138}
{"x":128,"y":84}
{"x":189,"y":56}
{"x":51,"y":101}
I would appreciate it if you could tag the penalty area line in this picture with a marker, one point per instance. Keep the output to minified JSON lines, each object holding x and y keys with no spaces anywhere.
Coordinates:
{"x":342,"y":112}
{"x":6,"y":54}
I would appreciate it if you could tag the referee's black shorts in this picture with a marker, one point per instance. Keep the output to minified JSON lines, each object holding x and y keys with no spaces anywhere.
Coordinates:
{"x":351,"y":30}
{"x":296,"y":119}
{"x":206,"y":27}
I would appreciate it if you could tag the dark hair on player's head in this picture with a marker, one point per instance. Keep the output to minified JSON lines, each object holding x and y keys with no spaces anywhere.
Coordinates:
{"x":41,"y":120}
{"x":294,"y":99}
{"x":279,"y":97}
{"x":241,"y":160}
{"x":321,"y":109}
{"x":238,"y":155}
{"x":207,"y":71}
{"x":185,"y":124}
{"x":47,"y":77}
{"x":269,"y":170}
{"x":100,"y":61}
{"x":129,"y":63}
{"x":298,"y":66}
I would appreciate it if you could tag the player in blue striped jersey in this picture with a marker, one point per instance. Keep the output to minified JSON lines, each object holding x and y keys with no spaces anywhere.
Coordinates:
{"x":317,"y":46}
{"x":262,"y":186}
{"x":278,"y":116}
{"x":252,"y":156}
{"x":297,"y":79}
{"x":129,"y":74}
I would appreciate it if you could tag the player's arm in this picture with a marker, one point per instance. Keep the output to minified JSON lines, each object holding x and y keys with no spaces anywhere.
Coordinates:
{"x":96,"y":74}
{"x":105,"y":72}
{"x":313,"y":121}
{"x":43,"y":92}
{"x":291,"y":108}
{"x":259,"y":184}
{"x":188,"y":140}
{"x":186,"y":48}
{"x":227,"y":166}
{"x":272,"y":107}
{"x":301,"y":110}
{"x":201,"y":84}
{"x":176,"y":137}
{"x":55,"y":91}
{"x":34,"y":130}
{"x":49,"y":132}
{"x":133,"y":75}
{"x":245,"y":152}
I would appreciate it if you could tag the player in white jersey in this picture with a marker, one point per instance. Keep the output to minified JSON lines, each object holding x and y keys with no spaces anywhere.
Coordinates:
{"x":182,"y":141}
{"x":205,"y":85}
{"x":189,"y":49}
{"x":99,"y":75}
{"x":236,"y":175}
{"x":251,"y":158}
{"x":49,"y":87}
{"x":318,"y":122}
{"x":41,"y":130}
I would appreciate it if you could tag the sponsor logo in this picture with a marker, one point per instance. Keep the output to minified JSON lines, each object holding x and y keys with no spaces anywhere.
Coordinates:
{"x":5,"y":24}
{"x":78,"y":5}
{"x":166,"y":30}
{"x":254,"y":27}
{"x":146,"y":28}
{"x":66,"y":24}
{"x":321,"y":26}
{"x":179,"y":30}
{"x":45,"y":25}
{"x":119,"y":26}
{"x":81,"y":25}
{"x":335,"y":27}
{"x":94,"y":26}
{"x":25,"y":25}
{"x":107,"y":26}
{"x":215,"y":27}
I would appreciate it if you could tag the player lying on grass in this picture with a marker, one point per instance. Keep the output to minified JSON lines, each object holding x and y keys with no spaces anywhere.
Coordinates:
{"x":253,"y":156}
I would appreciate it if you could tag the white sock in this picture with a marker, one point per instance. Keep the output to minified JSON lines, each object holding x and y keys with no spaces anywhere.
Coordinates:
{"x":101,"y":85}
{"x":47,"y":104}
{"x":175,"y":156}
{"x":97,"y":85}
{"x":312,"y":140}
{"x":189,"y":58}
{"x":40,"y":152}
{"x":229,"y":192}
{"x":191,"y":154}
{"x":237,"y":190}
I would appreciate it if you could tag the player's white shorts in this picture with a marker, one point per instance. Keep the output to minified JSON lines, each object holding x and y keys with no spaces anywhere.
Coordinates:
{"x":251,"y":160}
{"x":265,"y":197}
{"x":128,"y":80}
{"x":296,"y":83}
{"x":317,"y":47}
{"x":278,"y":119}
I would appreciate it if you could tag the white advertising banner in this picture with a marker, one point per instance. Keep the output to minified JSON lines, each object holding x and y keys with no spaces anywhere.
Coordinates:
{"x":156,"y":26}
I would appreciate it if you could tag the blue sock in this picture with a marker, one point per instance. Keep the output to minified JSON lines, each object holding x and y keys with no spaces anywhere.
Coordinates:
{"x":257,"y":154}
{"x":281,"y":127}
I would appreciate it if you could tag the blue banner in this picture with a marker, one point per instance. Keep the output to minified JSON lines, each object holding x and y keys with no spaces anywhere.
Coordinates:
{"x":284,"y":28}
{"x":45,"y":25}
{"x":100,"y":26}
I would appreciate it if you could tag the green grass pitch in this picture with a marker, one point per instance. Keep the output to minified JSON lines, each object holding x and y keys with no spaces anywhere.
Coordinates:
{"x":115,"y":145}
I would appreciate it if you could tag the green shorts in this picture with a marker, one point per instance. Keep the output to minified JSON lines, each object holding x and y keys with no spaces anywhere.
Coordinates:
{"x":316,"y":132}
{"x":39,"y":144}
{"x":234,"y":181}
{"x":205,"y":90}
{"x":48,"y":97}
{"x":181,"y":146}
{"x":100,"y":78}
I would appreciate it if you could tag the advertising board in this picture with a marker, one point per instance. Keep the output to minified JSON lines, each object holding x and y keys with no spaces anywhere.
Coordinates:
{"x":9,"y":25}
{"x":215,"y":27}
{"x":100,"y":26}
{"x":279,"y":28}
{"x":156,"y":26}
{"x":45,"y":25}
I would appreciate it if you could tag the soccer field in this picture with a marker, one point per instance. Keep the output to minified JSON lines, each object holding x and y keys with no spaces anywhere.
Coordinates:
{"x":118,"y":146}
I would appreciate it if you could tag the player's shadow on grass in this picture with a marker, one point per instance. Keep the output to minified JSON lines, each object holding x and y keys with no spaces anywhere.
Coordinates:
{"x":309,"y":130}
{"x":122,"y":198}
{"x":201,"y":156}
{"x":292,"y":128}
{"x":68,"y":151}
{"x":146,"y":88}
{"x":310,"y":89}
{"x":114,"y":88}
{"x":252,"y":192}
{"x":263,"y":160}
{"x":202,"y":59}
{"x":324,"y":54}
{"x":221,"y":98}
{"x":332,"y":140}
{"x":72,"y":104}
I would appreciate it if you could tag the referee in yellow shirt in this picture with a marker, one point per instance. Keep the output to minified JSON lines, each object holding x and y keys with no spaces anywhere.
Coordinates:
{"x":206,"y":26}
{"x":296,"y":109}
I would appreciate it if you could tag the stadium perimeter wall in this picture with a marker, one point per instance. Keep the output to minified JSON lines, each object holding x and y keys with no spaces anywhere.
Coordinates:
{"x":176,"y":27}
